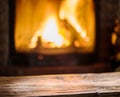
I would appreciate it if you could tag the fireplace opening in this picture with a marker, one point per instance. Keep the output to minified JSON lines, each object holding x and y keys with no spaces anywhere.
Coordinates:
{"x":60,"y":36}
{"x":51,"y":32}
{"x":53,"y":26}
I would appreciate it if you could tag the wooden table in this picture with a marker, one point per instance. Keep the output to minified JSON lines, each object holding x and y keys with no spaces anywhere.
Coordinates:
{"x":63,"y":85}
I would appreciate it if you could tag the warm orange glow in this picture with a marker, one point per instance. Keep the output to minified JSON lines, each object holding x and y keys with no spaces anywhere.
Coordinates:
{"x":113,"y":38}
{"x":54,"y":24}
{"x":50,"y":35}
{"x":80,"y":19}
{"x":69,"y":13}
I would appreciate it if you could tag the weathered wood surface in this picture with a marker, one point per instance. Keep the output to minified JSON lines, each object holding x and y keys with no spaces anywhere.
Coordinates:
{"x":64,"y":85}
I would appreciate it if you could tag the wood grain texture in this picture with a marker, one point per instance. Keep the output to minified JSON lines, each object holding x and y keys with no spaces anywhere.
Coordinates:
{"x":64,"y":85}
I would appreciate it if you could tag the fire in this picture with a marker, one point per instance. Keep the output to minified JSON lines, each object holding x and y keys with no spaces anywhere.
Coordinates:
{"x":50,"y":35}
{"x":69,"y":13}
{"x":60,"y":24}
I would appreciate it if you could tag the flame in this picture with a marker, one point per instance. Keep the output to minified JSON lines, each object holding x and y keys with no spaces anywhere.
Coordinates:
{"x":50,"y":36}
{"x":69,"y":13}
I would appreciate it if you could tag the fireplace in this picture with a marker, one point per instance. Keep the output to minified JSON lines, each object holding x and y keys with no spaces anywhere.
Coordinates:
{"x":50,"y":31}
{"x":58,"y":34}
{"x":53,"y":26}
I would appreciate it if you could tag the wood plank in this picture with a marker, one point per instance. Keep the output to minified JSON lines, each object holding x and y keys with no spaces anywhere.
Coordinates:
{"x":63,"y":85}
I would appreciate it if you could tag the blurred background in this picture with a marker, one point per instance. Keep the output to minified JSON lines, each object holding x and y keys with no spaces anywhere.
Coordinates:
{"x":59,"y":36}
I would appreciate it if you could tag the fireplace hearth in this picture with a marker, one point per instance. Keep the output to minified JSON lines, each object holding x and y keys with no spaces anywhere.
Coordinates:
{"x":39,"y":38}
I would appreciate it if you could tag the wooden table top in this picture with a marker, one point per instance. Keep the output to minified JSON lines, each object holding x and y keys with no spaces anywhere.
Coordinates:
{"x":62,"y":85}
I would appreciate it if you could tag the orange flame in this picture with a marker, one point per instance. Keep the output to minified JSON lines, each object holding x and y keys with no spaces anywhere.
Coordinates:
{"x":69,"y":13}
{"x":50,"y":36}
